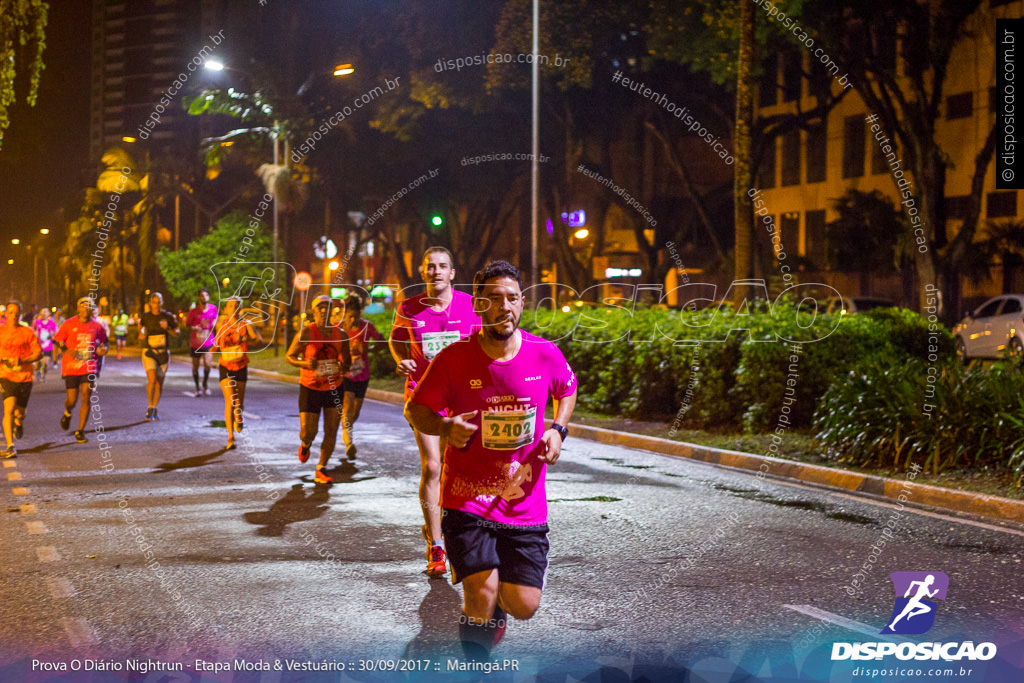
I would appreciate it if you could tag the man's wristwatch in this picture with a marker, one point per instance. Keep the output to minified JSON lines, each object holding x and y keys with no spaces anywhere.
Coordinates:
{"x":562,"y":431}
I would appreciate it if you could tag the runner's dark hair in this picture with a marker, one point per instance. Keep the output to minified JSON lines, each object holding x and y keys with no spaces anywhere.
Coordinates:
{"x":493,"y":269}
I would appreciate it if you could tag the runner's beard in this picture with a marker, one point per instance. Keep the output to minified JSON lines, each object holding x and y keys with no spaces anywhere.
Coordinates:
{"x":494,"y":333}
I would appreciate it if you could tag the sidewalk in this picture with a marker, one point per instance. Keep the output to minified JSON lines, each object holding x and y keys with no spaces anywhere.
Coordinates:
{"x":921,"y":495}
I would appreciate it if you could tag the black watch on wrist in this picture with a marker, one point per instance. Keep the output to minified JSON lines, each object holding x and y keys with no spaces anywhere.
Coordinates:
{"x":562,"y":431}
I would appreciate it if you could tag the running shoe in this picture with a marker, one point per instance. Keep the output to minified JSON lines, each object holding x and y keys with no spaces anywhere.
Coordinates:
{"x":322,"y":478}
{"x":303,"y":452}
{"x":80,"y":436}
{"x":155,"y":415}
{"x":436,"y":561}
{"x":350,"y":451}
{"x":149,"y":414}
{"x":197,"y":393}
{"x":206,"y":390}
{"x":19,"y":430}
{"x":11,"y":452}
{"x":65,"y":420}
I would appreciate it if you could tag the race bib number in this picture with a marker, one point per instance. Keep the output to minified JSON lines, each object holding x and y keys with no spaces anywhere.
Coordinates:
{"x":509,"y":430}
{"x":358,"y":365}
{"x":327,"y":368}
{"x":44,"y":336}
{"x":433,"y":342}
{"x":157,"y":341}
{"x":230,"y":354}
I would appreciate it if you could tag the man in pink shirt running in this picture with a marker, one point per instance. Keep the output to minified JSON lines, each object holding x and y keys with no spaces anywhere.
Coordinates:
{"x":487,"y":398}
{"x":425,"y":324}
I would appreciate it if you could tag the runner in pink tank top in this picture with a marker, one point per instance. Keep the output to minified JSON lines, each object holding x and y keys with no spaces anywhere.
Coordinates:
{"x":424,"y":325}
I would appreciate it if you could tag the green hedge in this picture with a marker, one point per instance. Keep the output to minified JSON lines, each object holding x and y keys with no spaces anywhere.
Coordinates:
{"x":638,"y":364}
{"x":939,"y":415}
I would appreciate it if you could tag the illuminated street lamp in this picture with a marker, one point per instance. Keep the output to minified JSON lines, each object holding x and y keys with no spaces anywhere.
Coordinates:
{"x":581,"y":234}
{"x":333,"y":265}
{"x":44,"y":231}
{"x":343,"y":70}
{"x":15,"y":241}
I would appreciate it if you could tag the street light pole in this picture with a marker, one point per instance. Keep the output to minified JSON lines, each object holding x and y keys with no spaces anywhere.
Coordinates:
{"x":535,"y":130}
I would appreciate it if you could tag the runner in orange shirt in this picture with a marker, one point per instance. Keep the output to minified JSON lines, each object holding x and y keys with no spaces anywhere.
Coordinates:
{"x":321,"y":352}
{"x":19,"y":350}
{"x":232,"y":346}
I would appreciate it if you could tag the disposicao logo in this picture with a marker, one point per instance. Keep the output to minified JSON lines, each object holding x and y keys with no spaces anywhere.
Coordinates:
{"x":914,"y":613}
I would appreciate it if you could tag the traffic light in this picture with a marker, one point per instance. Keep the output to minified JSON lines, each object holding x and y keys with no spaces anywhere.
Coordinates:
{"x":436,"y":220}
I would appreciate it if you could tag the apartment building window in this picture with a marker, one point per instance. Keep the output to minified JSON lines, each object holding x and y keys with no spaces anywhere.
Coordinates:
{"x":769,"y":90}
{"x":789,"y":232}
{"x":1002,"y":204}
{"x":766,"y":170}
{"x":791,"y":158}
{"x":853,"y":146}
{"x":815,"y":246}
{"x":960,"y":106}
{"x":792,"y":77}
{"x":817,"y":146}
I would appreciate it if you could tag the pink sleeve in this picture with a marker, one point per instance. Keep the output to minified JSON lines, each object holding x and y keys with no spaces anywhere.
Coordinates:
{"x":433,"y":389}
{"x":563,"y":379}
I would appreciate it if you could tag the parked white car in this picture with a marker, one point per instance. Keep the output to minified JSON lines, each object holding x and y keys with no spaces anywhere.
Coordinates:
{"x":856,"y":304}
{"x":993,"y":330}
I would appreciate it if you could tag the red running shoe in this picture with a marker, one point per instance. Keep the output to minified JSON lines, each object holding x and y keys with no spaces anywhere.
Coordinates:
{"x":436,"y":561}
{"x":303,"y":452}
{"x":322,"y":478}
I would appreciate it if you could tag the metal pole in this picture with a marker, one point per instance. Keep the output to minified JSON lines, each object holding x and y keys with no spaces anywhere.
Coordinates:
{"x":274,"y":247}
{"x":534,"y":166}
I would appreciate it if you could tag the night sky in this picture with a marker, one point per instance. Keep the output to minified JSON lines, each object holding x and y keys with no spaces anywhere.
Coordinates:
{"x":43,"y":162}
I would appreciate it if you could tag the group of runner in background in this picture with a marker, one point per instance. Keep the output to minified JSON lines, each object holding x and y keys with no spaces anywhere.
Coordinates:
{"x":476,"y":390}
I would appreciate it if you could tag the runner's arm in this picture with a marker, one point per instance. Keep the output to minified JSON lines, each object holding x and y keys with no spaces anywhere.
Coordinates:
{"x":458,"y":430}
{"x":552,"y":440}
{"x":296,"y":349}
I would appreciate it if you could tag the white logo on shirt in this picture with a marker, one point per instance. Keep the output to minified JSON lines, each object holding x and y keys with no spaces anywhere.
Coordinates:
{"x":530,"y":379}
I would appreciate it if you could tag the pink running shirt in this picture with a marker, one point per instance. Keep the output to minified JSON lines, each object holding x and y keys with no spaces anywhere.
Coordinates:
{"x":497,"y":475}
{"x":205,"y":319}
{"x":359,"y":343}
{"x":432,"y":330}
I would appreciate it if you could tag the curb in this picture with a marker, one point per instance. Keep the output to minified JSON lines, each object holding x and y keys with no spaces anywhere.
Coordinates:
{"x":982,"y":505}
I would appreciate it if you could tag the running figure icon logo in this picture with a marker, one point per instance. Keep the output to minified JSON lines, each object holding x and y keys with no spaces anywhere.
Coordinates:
{"x":914,"y":612}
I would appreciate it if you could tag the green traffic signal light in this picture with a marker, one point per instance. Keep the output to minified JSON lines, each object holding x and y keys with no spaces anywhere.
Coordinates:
{"x":436,"y":221}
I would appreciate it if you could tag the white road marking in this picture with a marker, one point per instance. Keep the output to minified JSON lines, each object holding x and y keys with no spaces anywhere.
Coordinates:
{"x":36,"y":528}
{"x":60,"y":587}
{"x":19,"y":491}
{"x":27,"y":508}
{"x":10,"y":463}
{"x":840,"y":620}
{"x":13,"y":476}
{"x":47,"y":553}
{"x":79,"y":631}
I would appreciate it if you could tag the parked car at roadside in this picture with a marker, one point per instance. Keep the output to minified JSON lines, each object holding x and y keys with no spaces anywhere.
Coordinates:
{"x":856,"y":304}
{"x":993,"y":330}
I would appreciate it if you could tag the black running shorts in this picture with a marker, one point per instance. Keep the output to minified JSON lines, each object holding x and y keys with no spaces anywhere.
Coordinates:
{"x":475,"y":544}
{"x":315,"y":400}
{"x":19,"y":390}
{"x":237,"y":375}
{"x":75,"y":381}
{"x":357,"y":388}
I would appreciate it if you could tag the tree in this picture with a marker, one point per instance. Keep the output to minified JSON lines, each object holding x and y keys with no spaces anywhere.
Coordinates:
{"x":866,"y":236}
{"x":188,"y":269}
{"x":922,"y":36}
{"x":22,"y":29}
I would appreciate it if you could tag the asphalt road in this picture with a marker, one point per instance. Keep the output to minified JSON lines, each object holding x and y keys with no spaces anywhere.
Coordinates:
{"x":659,"y":566}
